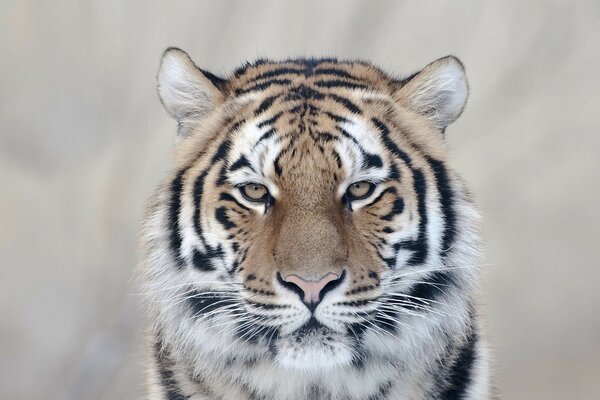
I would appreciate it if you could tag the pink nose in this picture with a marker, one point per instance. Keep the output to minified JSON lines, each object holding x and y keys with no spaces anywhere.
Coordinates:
{"x":312,"y":290}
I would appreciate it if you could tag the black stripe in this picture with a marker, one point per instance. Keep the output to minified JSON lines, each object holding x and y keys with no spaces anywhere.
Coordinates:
{"x":271,"y":120}
{"x":303,"y":92}
{"x":265,"y":136}
{"x":461,"y":373}
{"x":419,"y":246}
{"x":350,"y":106}
{"x":446,"y":203}
{"x":240,"y":163}
{"x":335,"y":83}
{"x":167,"y":377}
{"x":265,"y":104}
{"x":198,"y":192}
{"x":429,"y":288}
{"x":389,"y":143}
{"x":336,"y":72}
{"x":203,"y":303}
{"x":220,"y":154}
{"x":227,"y":197}
{"x":264,"y":85}
{"x":348,"y":136}
{"x":377,"y":199}
{"x":397,"y":208}
{"x":338,"y":159}
{"x":371,"y":160}
{"x":203,"y":261}
{"x":174,"y":207}
{"x":223,"y":218}
{"x":394,"y":172}
{"x":335,"y":117}
{"x":175,"y":238}
{"x":277,"y":72}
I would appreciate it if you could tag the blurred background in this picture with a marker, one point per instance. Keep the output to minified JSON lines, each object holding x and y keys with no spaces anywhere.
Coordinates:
{"x":84,"y":139}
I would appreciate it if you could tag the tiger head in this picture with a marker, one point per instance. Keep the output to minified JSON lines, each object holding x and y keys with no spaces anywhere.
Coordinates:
{"x":310,"y":219}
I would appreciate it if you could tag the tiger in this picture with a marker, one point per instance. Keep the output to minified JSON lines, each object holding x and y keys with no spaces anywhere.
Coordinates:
{"x":311,"y":241}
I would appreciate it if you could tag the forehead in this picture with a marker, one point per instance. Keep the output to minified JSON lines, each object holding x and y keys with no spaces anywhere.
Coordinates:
{"x":307,"y":104}
{"x":320,"y":74}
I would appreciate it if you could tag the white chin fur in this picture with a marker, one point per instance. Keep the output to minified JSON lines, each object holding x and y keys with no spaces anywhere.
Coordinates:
{"x":314,"y":352}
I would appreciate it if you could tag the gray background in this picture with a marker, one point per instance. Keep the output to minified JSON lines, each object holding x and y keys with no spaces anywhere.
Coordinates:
{"x":83,"y":140}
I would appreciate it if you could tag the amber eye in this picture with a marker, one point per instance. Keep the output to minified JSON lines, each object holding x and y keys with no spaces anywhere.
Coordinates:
{"x":254,"y":192}
{"x":360,"y":190}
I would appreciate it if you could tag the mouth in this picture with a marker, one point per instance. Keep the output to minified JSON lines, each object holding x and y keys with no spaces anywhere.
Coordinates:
{"x":310,"y":328}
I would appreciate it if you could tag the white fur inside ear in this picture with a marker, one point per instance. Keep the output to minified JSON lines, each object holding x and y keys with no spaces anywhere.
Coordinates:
{"x":184,"y":90}
{"x":438,"y":92}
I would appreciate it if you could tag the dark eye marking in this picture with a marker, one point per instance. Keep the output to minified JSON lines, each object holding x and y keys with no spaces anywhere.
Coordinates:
{"x":397,"y":208}
{"x":223,"y":218}
{"x":377,"y":199}
{"x":227,"y":197}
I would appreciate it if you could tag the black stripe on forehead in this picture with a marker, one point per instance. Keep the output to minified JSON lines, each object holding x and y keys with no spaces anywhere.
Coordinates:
{"x":306,"y":71}
{"x":277,"y":72}
{"x":350,"y":106}
{"x":336,"y":72}
{"x":303,"y":92}
{"x":265,"y":136}
{"x":336,"y":83}
{"x":263,"y":86}
{"x":241,"y":162}
{"x":271,"y":120}
{"x":389,"y":143}
{"x":370,"y":160}
{"x":266,"y":104}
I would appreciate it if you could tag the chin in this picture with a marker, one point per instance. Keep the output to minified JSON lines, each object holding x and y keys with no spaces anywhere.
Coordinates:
{"x":314,"y":348}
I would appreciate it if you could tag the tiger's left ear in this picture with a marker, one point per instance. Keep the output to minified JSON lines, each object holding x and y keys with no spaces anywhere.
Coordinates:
{"x":187,"y":92}
{"x":439,"y":91}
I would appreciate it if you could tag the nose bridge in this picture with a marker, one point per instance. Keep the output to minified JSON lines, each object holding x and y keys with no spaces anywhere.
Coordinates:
{"x":310,"y":243}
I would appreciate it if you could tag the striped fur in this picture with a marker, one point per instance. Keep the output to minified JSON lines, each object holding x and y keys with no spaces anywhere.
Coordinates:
{"x":401,"y":323}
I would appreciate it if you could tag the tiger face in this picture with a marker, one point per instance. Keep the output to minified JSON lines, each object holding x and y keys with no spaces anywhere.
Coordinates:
{"x":311,"y":219}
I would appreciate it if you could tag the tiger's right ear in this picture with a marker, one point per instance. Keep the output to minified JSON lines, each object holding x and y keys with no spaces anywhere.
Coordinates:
{"x":187,"y":92}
